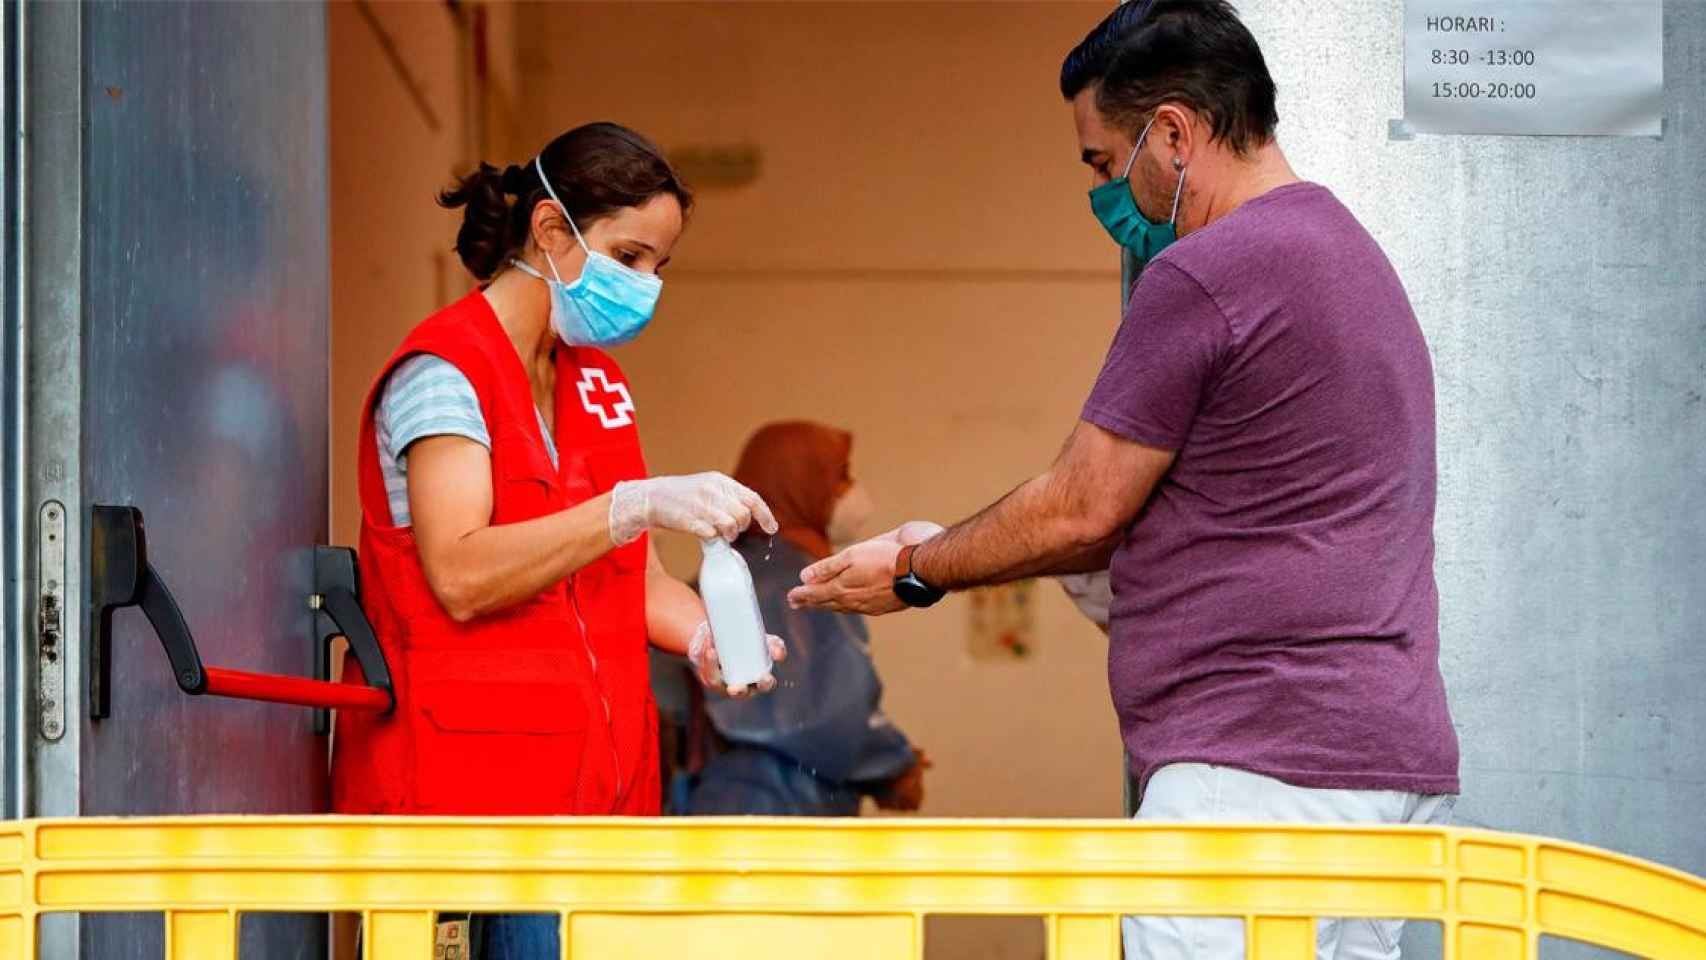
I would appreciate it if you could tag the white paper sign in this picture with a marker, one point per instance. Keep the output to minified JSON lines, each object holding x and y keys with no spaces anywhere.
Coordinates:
{"x":1581,"y":67}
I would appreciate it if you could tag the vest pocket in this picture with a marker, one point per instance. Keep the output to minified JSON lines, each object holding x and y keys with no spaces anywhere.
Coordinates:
{"x":524,"y":485}
{"x":499,"y":749}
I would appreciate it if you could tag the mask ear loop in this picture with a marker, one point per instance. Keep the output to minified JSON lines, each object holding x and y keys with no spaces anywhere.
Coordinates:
{"x":540,"y":169}
{"x":1177,"y":193}
{"x":1126,"y":174}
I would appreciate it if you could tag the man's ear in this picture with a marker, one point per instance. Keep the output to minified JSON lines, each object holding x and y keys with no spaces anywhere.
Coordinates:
{"x":1179,"y":130}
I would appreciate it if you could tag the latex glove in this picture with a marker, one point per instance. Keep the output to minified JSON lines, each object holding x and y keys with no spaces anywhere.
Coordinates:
{"x":1092,"y":593}
{"x":860,"y":579}
{"x":702,"y":654}
{"x":705,"y":505}
{"x":911,"y":532}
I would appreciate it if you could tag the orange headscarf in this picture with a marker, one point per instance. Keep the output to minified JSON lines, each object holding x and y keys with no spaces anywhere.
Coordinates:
{"x":800,"y":469}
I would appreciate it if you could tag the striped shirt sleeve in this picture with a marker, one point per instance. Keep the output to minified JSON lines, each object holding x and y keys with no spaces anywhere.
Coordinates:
{"x":426,"y":396}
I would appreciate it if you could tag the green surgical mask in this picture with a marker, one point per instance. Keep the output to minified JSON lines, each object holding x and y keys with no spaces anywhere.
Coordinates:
{"x":1116,"y":209}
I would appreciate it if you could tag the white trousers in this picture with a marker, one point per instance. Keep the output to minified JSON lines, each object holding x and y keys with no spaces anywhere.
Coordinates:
{"x":1199,"y":791}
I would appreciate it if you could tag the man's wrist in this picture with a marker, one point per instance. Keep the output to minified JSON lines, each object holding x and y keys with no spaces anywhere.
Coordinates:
{"x":920,"y":564}
{"x":909,"y":586}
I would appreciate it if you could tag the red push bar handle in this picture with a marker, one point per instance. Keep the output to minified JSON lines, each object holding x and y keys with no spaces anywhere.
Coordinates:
{"x":300,"y":691}
{"x":121,"y":576}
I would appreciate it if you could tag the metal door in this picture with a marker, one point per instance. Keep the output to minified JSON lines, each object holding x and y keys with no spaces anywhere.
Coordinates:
{"x":167,"y":337}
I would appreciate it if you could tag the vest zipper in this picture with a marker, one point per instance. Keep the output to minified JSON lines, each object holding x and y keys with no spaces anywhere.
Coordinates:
{"x":598,"y":683}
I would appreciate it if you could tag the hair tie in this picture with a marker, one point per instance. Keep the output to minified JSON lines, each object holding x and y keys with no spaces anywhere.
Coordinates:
{"x":511,"y":180}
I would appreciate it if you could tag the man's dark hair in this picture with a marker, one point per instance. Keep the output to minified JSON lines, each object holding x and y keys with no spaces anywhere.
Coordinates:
{"x":1088,"y":62}
{"x":1192,"y":52}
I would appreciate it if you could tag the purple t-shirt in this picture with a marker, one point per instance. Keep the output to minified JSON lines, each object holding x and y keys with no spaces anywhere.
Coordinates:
{"x":1274,"y":604}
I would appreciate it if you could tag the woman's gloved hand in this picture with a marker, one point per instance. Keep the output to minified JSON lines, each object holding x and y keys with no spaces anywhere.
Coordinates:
{"x":705,"y":505}
{"x":702,"y":654}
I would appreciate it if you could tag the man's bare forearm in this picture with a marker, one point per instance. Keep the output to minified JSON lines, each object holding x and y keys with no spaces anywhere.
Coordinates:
{"x":1030,"y":532}
{"x":1067,"y":520}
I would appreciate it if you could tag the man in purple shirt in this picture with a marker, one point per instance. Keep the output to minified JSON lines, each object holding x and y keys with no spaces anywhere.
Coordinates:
{"x":1256,"y":460}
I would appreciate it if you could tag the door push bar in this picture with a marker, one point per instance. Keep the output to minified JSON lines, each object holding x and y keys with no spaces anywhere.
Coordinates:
{"x":121,"y":576}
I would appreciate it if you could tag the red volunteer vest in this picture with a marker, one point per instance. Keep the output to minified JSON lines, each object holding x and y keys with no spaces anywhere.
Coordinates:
{"x":541,"y":709}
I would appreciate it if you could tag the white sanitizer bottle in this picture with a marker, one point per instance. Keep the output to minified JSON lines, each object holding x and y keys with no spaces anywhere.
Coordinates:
{"x":725,"y":583}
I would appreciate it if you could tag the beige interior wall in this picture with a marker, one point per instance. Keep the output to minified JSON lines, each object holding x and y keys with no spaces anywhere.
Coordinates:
{"x":916,"y":261}
{"x":391,"y":152}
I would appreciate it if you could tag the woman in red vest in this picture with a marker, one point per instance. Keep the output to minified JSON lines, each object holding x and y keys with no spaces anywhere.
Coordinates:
{"x":505,"y":503}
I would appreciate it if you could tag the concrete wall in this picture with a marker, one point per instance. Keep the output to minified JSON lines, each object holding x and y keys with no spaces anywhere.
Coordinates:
{"x":1562,"y":285}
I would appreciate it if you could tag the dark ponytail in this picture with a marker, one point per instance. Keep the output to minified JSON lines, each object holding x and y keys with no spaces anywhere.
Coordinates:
{"x":596,"y":170}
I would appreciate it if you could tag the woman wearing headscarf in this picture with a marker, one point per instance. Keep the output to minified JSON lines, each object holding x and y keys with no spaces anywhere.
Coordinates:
{"x":820,"y":742}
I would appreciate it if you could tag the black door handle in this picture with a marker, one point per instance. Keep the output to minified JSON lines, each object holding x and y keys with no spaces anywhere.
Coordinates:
{"x":121,"y":576}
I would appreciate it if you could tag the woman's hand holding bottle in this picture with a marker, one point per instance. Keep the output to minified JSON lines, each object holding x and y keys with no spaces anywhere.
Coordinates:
{"x":705,"y":505}
{"x":702,"y":654}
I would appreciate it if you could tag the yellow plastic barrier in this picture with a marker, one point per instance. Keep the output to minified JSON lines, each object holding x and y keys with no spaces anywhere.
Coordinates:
{"x":835,"y":890}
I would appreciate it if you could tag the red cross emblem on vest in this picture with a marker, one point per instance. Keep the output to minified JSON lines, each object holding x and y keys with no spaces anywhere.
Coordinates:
{"x":610,"y":402}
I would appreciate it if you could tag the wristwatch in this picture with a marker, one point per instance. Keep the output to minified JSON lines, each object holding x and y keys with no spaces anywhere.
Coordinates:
{"x":908,"y":587}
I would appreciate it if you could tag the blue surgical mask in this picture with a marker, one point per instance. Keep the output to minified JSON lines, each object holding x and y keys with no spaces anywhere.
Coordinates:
{"x":608,"y":305}
{"x":1116,"y":208}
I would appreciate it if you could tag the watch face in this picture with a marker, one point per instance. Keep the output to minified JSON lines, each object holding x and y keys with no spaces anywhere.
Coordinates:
{"x":914,"y":593}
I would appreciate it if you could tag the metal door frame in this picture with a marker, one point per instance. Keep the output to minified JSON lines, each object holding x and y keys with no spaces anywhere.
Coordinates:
{"x":11,"y":408}
{"x":45,"y":395}
{"x":42,"y":209}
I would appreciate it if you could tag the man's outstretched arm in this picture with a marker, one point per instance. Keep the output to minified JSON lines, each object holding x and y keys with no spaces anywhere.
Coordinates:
{"x":1092,"y":493}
